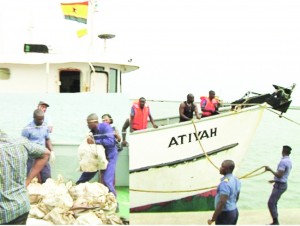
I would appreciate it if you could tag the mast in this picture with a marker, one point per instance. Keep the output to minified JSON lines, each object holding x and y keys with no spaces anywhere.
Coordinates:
{"x":92,"y":12}
{"x":105,"y":37}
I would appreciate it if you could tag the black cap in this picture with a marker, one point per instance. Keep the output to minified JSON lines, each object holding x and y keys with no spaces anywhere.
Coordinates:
{"x":287,"y":149}
{"x":44,"y":103}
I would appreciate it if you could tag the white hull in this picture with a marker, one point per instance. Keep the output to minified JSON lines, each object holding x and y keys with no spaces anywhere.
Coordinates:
{"x":151,"y":182}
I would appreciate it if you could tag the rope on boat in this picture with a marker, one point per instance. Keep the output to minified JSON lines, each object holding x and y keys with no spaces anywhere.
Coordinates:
{"x":251,"y":174}
{"x":204,"y":152}
{"x":182,"y":191}
{"x":246,"y":176}
{"x":171,"y":191}
{"x":293,"y":121}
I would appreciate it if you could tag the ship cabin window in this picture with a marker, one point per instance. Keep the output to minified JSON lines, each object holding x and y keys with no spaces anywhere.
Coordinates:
{"x":113,"y":81}
{"x":4,"y":73}
{"x":69,"y":81}
{"x":98,"y":69}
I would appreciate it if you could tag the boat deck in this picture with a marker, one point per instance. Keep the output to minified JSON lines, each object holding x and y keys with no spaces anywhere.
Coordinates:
{"x":123,"y":200}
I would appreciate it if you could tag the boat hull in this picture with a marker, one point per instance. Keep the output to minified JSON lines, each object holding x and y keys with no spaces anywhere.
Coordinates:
{"x":176,"y":167}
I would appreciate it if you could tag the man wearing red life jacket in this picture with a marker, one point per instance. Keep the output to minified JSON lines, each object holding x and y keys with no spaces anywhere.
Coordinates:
{"x":209,"y":105}
{"x":140,"y":112}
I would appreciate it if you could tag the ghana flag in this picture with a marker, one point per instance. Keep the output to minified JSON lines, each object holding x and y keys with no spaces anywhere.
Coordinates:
{"x":77,"y":11}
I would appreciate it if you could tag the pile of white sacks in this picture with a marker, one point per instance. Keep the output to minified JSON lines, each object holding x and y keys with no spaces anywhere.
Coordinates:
{"x":59,"y":203}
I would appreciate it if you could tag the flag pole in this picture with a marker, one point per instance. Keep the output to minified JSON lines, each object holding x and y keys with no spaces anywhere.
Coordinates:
{"x":91,"y":10}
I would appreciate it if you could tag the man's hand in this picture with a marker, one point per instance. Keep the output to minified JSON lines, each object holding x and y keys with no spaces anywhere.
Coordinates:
{"x":267,"y":168}
{"x":210,"y":221}
{"x":155,"y":126}
{"x":124,"y":143}
{"x":90,"y":140}
{"x":27,"y":182}
{"x":52,"y":157}
{"x":50,"y":128}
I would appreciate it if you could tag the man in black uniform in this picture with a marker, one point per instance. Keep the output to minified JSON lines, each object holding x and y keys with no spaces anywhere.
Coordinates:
{"x":187,"y":109}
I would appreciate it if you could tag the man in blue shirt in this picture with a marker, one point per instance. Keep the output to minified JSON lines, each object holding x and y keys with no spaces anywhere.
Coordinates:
{"x":228,"y":191}
{"x":280,"y":182}
{"x":37,"y":131}
{"x":103,"y":134}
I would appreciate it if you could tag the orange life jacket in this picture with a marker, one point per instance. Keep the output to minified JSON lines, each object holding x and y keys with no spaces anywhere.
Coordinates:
{"x":140,"y":119}
{"x":211,"y":105}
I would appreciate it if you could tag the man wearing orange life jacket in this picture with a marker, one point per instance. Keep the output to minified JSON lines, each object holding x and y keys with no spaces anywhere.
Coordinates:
{"x":209,"y":105}
{"x":140,"y":112}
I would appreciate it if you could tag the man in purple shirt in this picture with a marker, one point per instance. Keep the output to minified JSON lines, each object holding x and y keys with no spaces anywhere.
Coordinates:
{"x":280,"y":182}
{"x":103,"y":134}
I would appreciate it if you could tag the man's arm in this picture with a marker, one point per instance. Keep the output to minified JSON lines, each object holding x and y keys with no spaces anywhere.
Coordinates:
{"x":152,"y":121}
{"x":25,"y":133}
{"x":106,"y":136}
{"x":117,"y":135}
{"x":49,"y":123}
{"x":278,"y":174}
{"x":38,"y":165}
{"x":218,"y":103}
{"x":237,"y":196}
{"x":130,"y":123}
{"x":196,"y":112}
{"x":124,"y":128}
{"x":131,"y":119}
{"x":219,"y":208}
{"x":181,"y":112}
{"x":50,"y":148}
{"x":49,"y":145}
{"x":203,"y":104}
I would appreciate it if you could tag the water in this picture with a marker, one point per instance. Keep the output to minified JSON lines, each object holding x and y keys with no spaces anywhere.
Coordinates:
{"x":265,"y":149}
{"x":272,"y":134}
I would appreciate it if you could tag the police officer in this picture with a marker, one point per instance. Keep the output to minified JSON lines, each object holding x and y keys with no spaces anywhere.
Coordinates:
{"x":280,"y":181}
{"x":228,"y":191}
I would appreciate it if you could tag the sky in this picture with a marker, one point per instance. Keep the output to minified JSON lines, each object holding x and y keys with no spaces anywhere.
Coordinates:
{"x":181,"y":46}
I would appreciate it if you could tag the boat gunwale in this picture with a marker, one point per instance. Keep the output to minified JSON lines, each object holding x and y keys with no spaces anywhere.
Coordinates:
{"x":179,"y":124}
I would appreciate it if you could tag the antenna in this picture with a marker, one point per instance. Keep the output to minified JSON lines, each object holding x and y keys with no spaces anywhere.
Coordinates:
{"x":105,"y":37}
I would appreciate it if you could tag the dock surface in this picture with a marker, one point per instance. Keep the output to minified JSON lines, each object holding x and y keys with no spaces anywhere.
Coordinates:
{"x":246,"y":217}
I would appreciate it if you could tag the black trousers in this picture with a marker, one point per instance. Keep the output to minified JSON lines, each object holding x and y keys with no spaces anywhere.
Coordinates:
{"x":228,"y":217}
